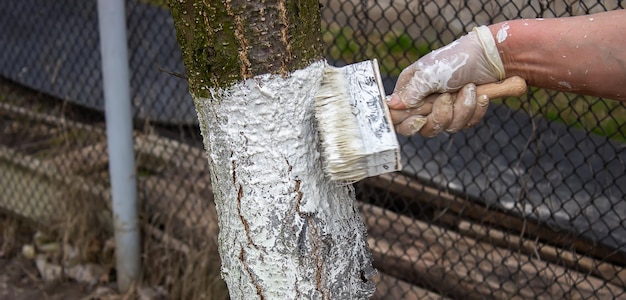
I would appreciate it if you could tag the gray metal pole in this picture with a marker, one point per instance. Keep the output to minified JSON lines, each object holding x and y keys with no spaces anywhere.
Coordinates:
{"x":115,"y":69}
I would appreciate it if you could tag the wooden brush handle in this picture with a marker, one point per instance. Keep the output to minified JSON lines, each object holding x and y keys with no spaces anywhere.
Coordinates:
{"x":510,"y":87}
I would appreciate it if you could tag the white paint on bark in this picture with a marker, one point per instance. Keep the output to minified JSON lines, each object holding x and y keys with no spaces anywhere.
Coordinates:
{"x":286,"y":230}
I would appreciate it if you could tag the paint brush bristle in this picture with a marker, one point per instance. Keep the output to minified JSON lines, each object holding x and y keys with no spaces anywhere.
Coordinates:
{"x":357,"y":136}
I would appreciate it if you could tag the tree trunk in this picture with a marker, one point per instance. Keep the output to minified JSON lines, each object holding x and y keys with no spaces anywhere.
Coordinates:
{"x":286,"y":231}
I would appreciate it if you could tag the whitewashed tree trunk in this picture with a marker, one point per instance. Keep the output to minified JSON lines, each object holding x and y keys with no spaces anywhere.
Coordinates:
{"x":286,"y":231}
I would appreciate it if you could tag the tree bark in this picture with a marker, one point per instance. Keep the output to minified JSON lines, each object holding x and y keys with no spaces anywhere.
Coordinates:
{"x":286,"y":231}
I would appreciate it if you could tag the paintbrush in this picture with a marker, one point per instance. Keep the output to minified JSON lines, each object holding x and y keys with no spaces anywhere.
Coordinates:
{"x":356,"y":132}
{"x":357,"y":136}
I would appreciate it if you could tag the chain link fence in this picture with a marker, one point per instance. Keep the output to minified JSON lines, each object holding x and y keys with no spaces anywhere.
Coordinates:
{"x":527,"y":205}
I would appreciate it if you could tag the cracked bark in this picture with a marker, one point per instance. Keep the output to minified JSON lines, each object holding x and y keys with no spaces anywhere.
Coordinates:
{"x":286,"y":231}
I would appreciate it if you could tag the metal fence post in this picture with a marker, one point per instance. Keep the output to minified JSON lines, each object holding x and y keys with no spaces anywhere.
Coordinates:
{"x":114,"y":48}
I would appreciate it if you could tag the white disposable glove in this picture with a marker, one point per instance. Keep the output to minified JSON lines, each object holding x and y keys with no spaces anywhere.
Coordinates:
{"x":471,"y":60}
{"x":448,"y":111}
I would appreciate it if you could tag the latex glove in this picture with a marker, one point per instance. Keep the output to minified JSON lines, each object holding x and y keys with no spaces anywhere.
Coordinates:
{"x":448,"y":112}
{"x":472,"y":58}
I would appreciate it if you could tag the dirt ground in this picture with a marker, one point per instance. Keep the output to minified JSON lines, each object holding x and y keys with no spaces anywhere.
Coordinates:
{"x":21,"y":280}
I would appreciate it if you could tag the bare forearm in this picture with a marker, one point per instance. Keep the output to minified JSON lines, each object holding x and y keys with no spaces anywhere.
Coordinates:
{"x":584,"y":54}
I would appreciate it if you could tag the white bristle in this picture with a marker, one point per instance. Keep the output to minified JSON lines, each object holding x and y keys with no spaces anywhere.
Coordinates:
{"x":339,"y":131}
{"x":356,"y":133}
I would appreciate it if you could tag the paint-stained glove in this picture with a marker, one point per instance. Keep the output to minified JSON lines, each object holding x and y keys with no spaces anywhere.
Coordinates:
{"x":448,"y":111}
{"x":472,"y":59}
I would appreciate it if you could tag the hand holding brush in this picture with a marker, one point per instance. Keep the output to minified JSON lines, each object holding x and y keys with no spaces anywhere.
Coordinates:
{"x":452,"y":112}
{"x":449,"y":89}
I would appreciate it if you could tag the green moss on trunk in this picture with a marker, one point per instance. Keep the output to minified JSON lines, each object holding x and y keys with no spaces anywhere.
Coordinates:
{"x":225,"y":41}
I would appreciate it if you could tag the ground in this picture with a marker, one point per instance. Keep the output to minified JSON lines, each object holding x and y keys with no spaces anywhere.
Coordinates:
{"x":20,"y":280}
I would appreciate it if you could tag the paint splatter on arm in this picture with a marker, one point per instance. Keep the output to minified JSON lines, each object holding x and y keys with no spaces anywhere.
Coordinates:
{"x":582,"y":54}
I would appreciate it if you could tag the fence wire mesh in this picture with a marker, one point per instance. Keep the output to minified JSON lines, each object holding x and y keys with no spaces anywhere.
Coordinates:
{"x":529,"y":204}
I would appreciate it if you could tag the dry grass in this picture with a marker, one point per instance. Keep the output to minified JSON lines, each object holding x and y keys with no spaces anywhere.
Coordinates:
{"x":192,"y":274}
{"x":14,"y":232}
{"x":186,"y":269}
{"x":183,"y":270}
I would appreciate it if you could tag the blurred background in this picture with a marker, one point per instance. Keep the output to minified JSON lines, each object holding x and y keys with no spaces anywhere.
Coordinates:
{"x":529,"y":204}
